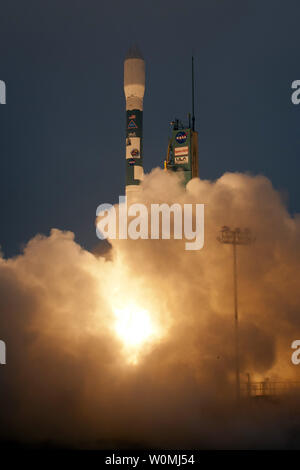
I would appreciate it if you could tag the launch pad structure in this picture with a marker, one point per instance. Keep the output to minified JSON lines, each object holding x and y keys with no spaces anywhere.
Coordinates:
{"x":269,"y":389}
{"x":182,"y":153}
{"x":182,"y":158}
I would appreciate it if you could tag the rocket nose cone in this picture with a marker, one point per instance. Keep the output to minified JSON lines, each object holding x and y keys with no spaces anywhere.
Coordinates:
{"x":134,"y":53}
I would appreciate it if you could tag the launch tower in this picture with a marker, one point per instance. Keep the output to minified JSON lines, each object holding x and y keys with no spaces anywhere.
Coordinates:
{"x":182,"y":154}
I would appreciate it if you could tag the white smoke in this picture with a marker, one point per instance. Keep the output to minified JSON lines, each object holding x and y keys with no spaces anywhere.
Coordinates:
{"x":68,"y":378}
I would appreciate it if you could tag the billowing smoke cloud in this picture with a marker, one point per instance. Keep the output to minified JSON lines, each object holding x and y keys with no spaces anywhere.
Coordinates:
{"x":70,"y":379}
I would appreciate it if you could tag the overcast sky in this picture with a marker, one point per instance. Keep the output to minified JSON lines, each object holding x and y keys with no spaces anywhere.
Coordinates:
{"x":63,"y":128}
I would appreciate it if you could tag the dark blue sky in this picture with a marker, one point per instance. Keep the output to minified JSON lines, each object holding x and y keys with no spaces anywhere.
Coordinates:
{"x":62,"y":129}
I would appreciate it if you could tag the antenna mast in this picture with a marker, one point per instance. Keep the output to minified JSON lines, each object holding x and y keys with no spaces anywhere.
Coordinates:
{"x":193,"y":95}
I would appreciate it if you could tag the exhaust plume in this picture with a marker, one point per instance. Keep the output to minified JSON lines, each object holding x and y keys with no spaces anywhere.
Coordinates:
{"x":136,"y":348}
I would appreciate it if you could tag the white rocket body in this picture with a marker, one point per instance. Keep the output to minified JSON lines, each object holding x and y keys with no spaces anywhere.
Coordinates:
{"x":134,"y":89}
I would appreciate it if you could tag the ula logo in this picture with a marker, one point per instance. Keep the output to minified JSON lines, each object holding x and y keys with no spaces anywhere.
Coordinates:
{"x":2,"y":352}
{"x":296,"y":354}
{"x":2,"y":92}
{"x":184,"y":218}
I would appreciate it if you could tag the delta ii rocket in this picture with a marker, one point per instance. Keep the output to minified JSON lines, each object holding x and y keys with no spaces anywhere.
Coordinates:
{"x":134,"y":89}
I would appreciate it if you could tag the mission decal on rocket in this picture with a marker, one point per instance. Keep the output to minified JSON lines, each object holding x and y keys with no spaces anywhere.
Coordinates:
{"x":134,"y":88}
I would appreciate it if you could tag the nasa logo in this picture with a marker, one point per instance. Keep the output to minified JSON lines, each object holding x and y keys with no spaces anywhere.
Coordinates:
{"x":181,"y":137}
{"x":135,"y":153}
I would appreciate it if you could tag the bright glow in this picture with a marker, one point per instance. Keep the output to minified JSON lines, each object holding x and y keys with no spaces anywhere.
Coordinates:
{"x":133,"y":325}
{"x":135,"y":328}
{"x":138,"y":321}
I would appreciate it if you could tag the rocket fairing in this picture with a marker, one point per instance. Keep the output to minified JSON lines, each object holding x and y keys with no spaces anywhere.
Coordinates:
{"x":134,"y":89}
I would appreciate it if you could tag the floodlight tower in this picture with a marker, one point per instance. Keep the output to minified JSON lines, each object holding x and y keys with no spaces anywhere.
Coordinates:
{"x":236,"y":237}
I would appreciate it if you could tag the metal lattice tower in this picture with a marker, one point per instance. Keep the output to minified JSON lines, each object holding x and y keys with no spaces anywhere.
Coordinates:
{"x":235,"y":237}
